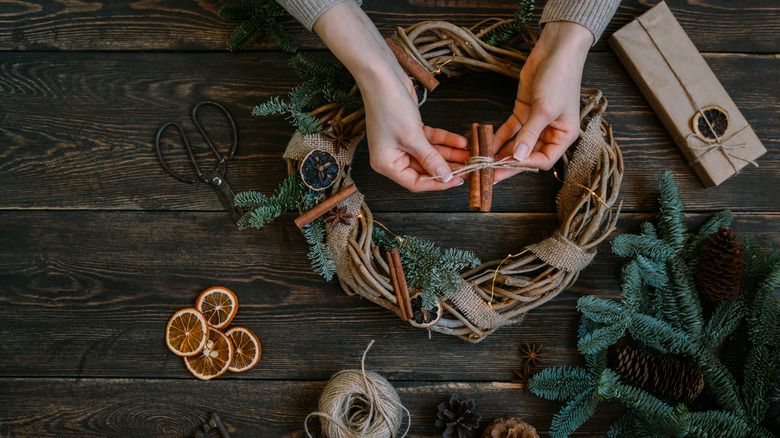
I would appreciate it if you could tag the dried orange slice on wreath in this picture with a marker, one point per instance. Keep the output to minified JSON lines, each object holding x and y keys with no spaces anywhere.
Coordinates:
{"x":214,"y":359}
{"x":246,"y":348}
{"x":186,"y":333}
{"x":219,"y":305}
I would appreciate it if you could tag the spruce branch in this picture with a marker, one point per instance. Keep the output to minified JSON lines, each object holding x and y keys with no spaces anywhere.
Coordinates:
{"x":573,"y":415}
{"x":506,"y":32}
{"x":671,"y":220}
{"x":259,"y":19}
{"x":562,"y":383}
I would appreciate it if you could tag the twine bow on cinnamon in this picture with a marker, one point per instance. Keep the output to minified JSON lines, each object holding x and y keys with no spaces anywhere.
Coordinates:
{"x":480,"y":162}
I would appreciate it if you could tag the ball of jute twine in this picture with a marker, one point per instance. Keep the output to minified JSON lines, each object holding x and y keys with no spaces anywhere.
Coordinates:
{"x":359,"y":404}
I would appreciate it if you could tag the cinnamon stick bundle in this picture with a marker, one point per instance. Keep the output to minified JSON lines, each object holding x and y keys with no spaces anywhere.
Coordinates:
{"x":325,"y":206}
{"x":485,"y":135}
{"x":411,"y":66}
{"x":475,"y":202}
{"x":399,"y":283}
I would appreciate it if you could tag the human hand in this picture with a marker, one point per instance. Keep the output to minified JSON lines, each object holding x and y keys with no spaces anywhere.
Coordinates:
{"x":401,"y":147}
{"x":546,"y":116}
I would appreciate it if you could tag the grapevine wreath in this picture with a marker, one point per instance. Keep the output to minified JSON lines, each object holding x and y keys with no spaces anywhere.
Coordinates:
{"x":411,"y":277}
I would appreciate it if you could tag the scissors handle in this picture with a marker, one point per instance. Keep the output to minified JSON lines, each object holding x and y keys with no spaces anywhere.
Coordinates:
{"x":207,"y":137}
{"x":186,"y":146}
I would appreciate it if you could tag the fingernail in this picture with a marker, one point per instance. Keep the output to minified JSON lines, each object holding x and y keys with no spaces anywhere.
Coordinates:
{"x":521,"y":152}
{"x":460,"y":183}
{"x":444,"y":172}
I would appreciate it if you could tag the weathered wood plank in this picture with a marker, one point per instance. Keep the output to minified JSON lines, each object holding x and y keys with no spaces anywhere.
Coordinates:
{"x":88,"y":294}
{"x":140,"y":407}
{"x":714,"y":25}
{"x":77,"y":132}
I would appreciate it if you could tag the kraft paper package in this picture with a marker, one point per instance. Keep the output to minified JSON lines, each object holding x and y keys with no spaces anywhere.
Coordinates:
{"x":681,"y":89}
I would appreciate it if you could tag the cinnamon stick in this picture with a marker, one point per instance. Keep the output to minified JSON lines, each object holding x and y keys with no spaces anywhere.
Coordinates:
{"x":396,"y":285}
{"x":411,"y":66}
{"x":325,"y":206}
{"x":399,"y":269}
{"x":474,"y":188}
{"x":485,"y":134}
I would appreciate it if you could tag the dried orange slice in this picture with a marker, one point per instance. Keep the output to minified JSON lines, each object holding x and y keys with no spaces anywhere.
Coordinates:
{"x":186,"y":332}
{"x":219,"y":305}
{"x":214,"y":359}
{"x":246,"y":347}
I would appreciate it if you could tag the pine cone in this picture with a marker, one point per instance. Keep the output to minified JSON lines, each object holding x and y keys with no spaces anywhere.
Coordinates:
{"x":510,"y":428}
{"x":457,"y":418}
{"x":662,"y":376}
{"x":719,"y":276}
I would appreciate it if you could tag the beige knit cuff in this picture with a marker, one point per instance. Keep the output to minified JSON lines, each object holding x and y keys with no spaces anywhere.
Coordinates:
{"x":593,"y":14}
{"x":308,"y":11}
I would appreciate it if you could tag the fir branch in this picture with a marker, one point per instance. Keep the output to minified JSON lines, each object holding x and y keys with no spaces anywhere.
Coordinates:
{"x":629,"y":245}
{"x":573,"y":415}
{"x":758,"y":373}
{"x":304,"y":122}
{"x":343,"y":98}
{"x":280,"y":37}
{"x":601,"y":310}
{"x":320,"y":255}
{"x":633,"y":288}
{"x":260,"y":19}
{"x":601,"y":338}
{"x":562,"y":383}
{"x":671,"y":220}
{"x":509,"y":30}
{"x":652,"y":273}
{"x":724,"y":321}
{"x":609,"y":387}
{"x":718,"y":423}
{"x":239,"y":10}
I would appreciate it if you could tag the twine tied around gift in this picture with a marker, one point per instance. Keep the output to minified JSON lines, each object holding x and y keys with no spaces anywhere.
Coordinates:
{"x":480,"y":162}
{"x":720,"y":144}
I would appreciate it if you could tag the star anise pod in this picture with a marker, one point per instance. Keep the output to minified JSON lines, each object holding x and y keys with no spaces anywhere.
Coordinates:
{"x":531,"y":354}
{"x":522,"y":378}
{"x":339,"y":134}
{"x":338,"y":215}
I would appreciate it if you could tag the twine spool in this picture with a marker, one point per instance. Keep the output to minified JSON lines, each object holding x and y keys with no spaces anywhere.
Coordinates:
{"x":359,"y":404}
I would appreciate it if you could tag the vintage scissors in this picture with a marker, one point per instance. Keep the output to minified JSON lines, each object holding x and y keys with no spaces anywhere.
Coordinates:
{"x":215,"y":178}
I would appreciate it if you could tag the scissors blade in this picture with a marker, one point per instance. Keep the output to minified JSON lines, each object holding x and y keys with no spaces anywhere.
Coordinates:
{"x":216,"y":178}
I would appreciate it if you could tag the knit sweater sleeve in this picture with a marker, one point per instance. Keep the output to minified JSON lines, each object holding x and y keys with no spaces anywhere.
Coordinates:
{"x":308,"y":11}
{"x":593,"y":14}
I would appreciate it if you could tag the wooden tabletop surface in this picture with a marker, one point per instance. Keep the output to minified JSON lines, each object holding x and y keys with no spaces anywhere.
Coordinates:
{"x":99,"y":247}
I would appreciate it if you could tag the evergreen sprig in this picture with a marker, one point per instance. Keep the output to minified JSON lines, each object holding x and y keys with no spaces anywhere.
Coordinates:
{"x":259,"y":19}
{"x":325,"y":82}
{"x":290,"y":194}
{"x":661,"y":311}
{"x":505,"y":32}
{"x":426,"y":266}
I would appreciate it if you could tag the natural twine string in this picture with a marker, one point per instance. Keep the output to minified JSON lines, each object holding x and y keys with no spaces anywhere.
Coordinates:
{"x":480,"y":162}
{"x":360,"y":404}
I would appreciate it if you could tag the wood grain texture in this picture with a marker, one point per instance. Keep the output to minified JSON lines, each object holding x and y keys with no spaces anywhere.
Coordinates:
{"x":78,"y":130}
{"x":88,"y":294}
{"x":146,"y":407}
{"x":714,"y":25}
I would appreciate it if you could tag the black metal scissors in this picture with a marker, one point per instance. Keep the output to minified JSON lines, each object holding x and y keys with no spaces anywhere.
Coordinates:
{"x":215,"y":178}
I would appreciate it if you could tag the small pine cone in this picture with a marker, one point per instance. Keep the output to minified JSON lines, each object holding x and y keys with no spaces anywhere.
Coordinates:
{"x":662,"y":376}
{"x":719,"y":276}
{"x":457,"y":418}
{"x":510,"y":428}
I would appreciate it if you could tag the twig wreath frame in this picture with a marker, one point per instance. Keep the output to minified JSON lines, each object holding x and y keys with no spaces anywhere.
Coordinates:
{"x":498,"y":292}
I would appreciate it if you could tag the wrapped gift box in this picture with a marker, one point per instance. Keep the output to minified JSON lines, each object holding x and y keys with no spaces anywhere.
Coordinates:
{"x":681,"y":88}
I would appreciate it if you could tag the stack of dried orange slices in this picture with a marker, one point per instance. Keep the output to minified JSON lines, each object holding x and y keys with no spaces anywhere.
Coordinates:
{"x":194,"y":334}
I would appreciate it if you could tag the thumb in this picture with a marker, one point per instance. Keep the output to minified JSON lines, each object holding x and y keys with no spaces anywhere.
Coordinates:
{"x":530,"y":132}
{"x":431,"y":160}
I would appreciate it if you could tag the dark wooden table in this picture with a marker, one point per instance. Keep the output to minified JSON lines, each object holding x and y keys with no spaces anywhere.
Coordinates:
{"x":98,"y":246}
